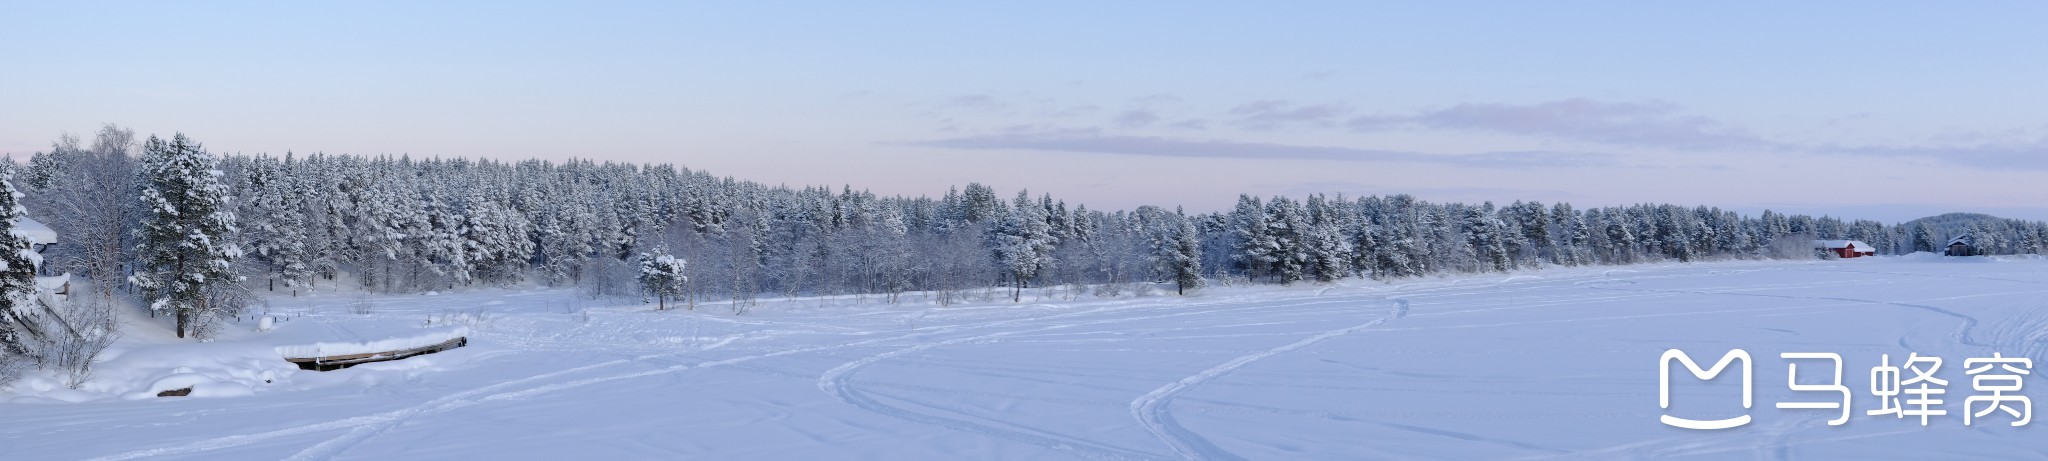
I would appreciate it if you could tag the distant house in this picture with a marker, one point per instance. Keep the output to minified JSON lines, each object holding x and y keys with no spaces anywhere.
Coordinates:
{"x":1846,"y":248}
{"x":40,"y":237}
{"x":1962,"y":245}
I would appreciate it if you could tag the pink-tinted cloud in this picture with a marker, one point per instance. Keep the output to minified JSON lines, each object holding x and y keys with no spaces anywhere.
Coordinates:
{"x":1094,"y":142}
{"x":1640,"y":124}
{"x":1273,"y":113}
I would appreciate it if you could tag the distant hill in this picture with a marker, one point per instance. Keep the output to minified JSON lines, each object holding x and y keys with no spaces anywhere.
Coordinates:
{"x":1954,"y":223}
{"x":1994,"y":235}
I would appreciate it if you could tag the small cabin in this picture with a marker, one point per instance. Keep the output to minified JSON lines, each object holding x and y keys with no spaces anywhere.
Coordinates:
{"x":40,"y":237}
{"x":1845,"y":249}
{"x":1962,"y":245}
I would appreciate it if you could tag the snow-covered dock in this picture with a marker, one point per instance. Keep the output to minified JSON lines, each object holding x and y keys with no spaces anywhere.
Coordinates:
{"x":335,"y":356}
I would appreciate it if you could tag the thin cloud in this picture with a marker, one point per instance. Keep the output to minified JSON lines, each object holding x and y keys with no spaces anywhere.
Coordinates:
{"x":1157,"y":99}
{"x":1640,"y":124}
{"x":1089,"y":141}
{"x":1136,"y":118}
{"x":1274,"y":113}
{"x":978,"y":101}
{"x":1464,"y":193}
{"x":1995,"y":156}
{"x":1630,"y":125}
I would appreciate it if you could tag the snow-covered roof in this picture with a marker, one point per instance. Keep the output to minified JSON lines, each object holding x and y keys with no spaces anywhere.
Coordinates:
{"x":53,"y":282}
{"x":1833,"y":244}
{"x":35,"y":231}
{"x":1963,"y":239}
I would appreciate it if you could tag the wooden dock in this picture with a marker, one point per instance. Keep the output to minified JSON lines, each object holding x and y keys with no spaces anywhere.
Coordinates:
{"x":337,"y":362}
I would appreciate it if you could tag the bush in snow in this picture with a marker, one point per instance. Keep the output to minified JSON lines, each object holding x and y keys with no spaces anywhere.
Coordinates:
{"x":88,"y":328}
{"x":663,"y":277}
{"x":606,"y":276}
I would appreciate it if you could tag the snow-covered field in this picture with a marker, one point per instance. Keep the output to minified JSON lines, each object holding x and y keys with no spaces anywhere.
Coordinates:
{"x":1559,"y":363}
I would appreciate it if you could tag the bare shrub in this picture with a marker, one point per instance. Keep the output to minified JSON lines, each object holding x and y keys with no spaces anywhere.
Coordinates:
{"x":1142,"y":289}
{"x":61,"y":336}
{"x":11,"y":367}
{"x":361,"y":305}
{"x":1795,"y":246}
{"x":1109,"y":290}
{"x":92,"y":327}
{"x":223,"y":302}
{"x":1231,"y":280}
{"x":608,"y":277}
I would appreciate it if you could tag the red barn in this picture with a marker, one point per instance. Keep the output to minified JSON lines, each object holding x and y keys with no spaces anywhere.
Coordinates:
{"x":1846,"y":248}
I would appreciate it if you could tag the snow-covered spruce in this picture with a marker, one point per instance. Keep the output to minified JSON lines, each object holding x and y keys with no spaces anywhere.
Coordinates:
{"x":23,"y":332}
{"x":663,"y":276}
{"x":188,"y":241}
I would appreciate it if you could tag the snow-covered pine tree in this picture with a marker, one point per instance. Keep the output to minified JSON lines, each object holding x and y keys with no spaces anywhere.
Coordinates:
{"x":1023,"y":243}
{"x":979,"y":204}
{"x":1289,"y":230}
{"x":1731,"y":239}
{"x":1383,"y":237}
{"x":1408,"y":236}
{"x":1535,"y":232}
{"x":1621,"y":237}
{"x":1329,"y":253}
{"x":495,"y":239}
{"x":274,"y":226}
{"x":1252,"y":242}
{"x":663,"y":276}
{"x":1484,"y":230}
{"x":186,"y":244}
{"x":20,"y":329}
{"x":1572,"y":235}
{"x":1186,"y":257}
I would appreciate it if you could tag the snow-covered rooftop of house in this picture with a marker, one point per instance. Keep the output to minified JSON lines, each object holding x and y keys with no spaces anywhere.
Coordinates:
{"x":1833,"y":244}
{"x":1963,"y":239}
{"x":52,"y":282}
{"x":35,"y":231}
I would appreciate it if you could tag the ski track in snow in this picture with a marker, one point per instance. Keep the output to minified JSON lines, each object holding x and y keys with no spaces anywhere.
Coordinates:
{"x":363,"y":428}
{"x":346,"y":423}
{"x":1152,"y":412}
{"x":332,"y":447}
{"x":839,"y":382}
{"x":1962,"y":334}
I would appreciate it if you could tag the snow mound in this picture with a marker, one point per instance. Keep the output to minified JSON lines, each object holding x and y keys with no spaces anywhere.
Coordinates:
{"x":1925,"y":257}
{"x":326,"y":349}
{"x":201,"y":385}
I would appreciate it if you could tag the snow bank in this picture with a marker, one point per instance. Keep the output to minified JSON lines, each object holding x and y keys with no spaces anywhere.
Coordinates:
{"x":1925,"y":257}
{"x":201,"y":385}
{"x":325,"y":349}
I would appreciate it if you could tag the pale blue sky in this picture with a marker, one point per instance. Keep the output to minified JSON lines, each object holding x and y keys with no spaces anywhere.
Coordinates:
{"x":1880,"y":110}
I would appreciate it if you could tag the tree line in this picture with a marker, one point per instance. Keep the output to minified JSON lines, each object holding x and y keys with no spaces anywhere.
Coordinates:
{"x":291,"y":222}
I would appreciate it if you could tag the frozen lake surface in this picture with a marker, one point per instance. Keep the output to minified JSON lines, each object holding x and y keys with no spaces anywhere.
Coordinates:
{"x":1559,"y":363}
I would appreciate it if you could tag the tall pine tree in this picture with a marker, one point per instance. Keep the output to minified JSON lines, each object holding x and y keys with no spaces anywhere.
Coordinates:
{"x":1023,"y":243}
{"x":20,"y":332}
{"x":186,"y":244}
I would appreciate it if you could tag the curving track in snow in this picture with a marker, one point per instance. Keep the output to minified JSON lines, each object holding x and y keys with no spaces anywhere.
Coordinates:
{"x":1151,"y":409}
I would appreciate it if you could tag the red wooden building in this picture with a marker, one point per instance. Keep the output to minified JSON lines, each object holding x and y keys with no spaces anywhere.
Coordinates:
{"x":1846,"y":248}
